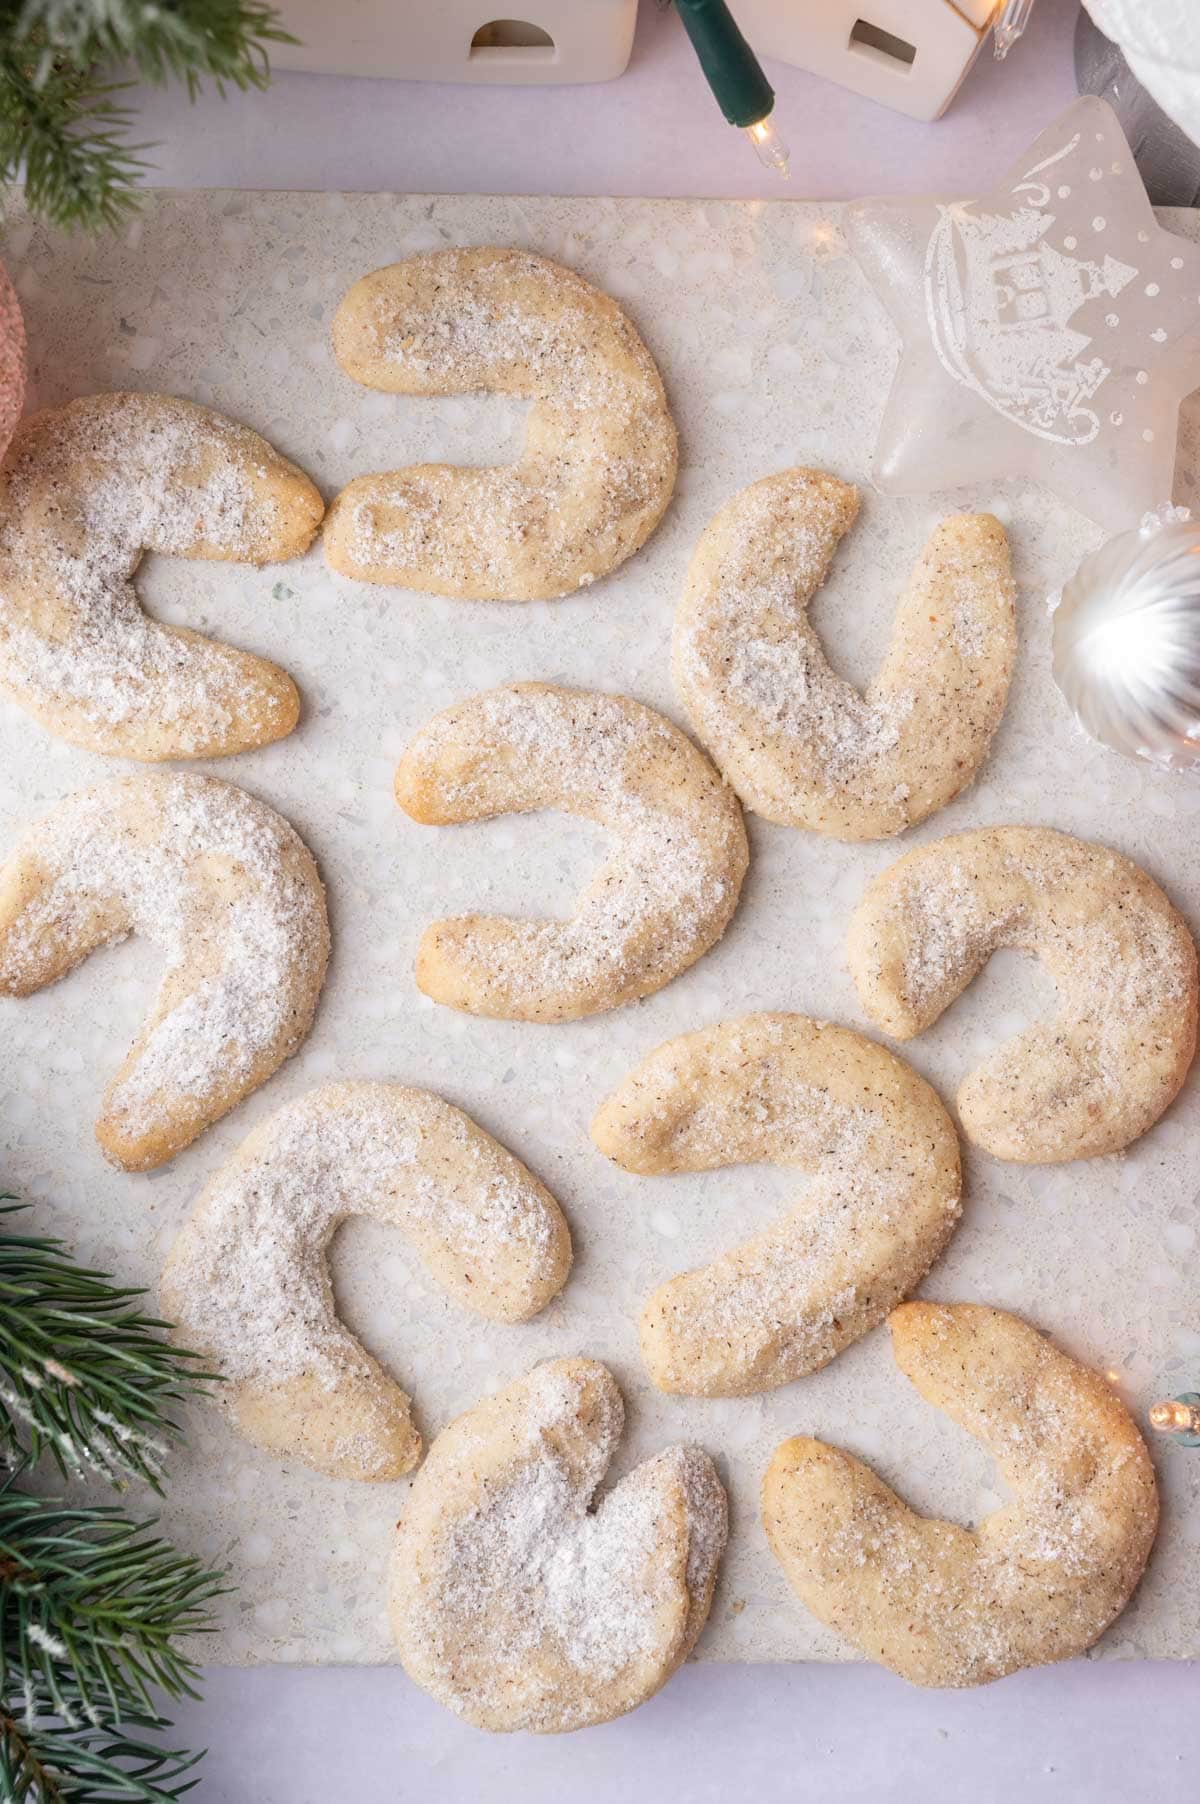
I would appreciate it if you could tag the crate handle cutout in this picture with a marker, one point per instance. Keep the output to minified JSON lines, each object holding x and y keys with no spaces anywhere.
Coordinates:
{"x":502,"y":36}
{"x":874,"y":41}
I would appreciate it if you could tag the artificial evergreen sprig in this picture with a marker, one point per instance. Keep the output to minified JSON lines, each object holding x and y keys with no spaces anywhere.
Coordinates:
{"x":84,"y":1585}
{"x":65,"y":132}
{"x":84,"y":1373}
{"x":184,"y":40}
{"x":91,"y":1602}
{"x":90,"y":1608}
{"x":62,"y":120}
{"x":92,"y":1766}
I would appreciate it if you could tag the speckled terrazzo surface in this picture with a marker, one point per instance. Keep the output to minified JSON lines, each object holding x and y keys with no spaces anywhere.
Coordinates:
{"x":773,"y":353}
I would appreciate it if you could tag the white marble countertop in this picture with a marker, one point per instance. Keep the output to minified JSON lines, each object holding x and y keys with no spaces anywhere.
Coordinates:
{"x":1089,"y":1732}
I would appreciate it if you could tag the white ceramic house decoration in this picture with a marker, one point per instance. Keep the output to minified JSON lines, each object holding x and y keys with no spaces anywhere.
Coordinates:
{"x":910,"y":55}
{"x":460,"y":40}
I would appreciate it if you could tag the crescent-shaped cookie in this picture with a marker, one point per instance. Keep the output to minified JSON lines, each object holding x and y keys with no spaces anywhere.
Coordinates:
{"x":518,"y":1604}
{"x":1040,"y":1579}
{"x":802,"y":746}
{"x":1103,"y":1068}
{"x":229,"y":894}
{"x":247,"y":1282}
{"x":84,"y":490}
{"x":883,"y":1201}
{"x":600,"y":450}
{"x":663,"y":898}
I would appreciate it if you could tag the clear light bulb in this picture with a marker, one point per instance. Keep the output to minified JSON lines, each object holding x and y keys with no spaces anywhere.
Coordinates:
{"x":769,"y":147}
{"x":1179,"y":1416}
{"x":1012,"y":17}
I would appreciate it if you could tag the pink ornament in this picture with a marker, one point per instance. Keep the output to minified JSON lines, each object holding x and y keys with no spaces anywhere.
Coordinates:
{"x":1045,"y":327}
{"x":12,"y":360}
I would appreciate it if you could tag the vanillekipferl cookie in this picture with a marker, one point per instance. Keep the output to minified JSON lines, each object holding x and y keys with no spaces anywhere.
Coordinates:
{"x":600,"y":450}
{"x":85,"y":490}
{"x":1112,"y":1057}
{"x":518,"y":1604}
{"x":1038,"y":1580}
{"x":230,"y":895}
{"x":802,"y":746}
{"x":665,"y":895}
{"x":883,"y":1198}
{"x":247,"y":1280}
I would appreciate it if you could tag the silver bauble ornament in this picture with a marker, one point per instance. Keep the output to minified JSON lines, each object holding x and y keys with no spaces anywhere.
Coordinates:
{"x":1127,"y":643}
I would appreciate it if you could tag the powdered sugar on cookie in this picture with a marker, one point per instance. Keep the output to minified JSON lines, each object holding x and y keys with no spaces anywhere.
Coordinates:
{"x":84,"y":491}
{"x":1105,"y":1066}
{"x":1041,"y":1578}
{"x":882,"y":1201}
{"x":800,"y":744}
{"x":518,"y":1605}
{"x":226,"y":890}
{"x":600,"y":455}
{"x":660,"y":901}
{"x":247,"y":1280}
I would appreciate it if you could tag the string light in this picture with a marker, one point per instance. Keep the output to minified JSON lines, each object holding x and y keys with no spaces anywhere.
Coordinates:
{"x":769,"y":147}
{"x":1011,"y":19}
{"x":1178,"y":1416}
{"x":735,"y":75}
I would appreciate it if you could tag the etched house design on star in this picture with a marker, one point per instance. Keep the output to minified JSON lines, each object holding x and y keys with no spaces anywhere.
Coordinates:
{"x":1001,"y":301}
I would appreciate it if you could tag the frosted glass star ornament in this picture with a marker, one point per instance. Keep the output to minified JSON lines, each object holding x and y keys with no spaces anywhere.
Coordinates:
{"x":1051,"y":328}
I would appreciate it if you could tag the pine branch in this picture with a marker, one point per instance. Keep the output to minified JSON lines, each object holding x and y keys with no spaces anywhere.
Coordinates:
{"x":184,"y":40}
{"x":64,"y":123}
{"x":91,"y":1603}
{"x":84,"y":1374}
{"x":53,"y":1765}
{"x":90,"y":1606}
{"x":64,"y":132}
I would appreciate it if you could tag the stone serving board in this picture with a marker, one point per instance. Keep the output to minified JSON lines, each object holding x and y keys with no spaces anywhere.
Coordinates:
{"x":774,"y":353}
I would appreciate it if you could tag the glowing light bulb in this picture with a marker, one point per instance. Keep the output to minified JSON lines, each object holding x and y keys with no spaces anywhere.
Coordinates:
{"x":769,"y":147}
{"x":1175,"y":1416}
